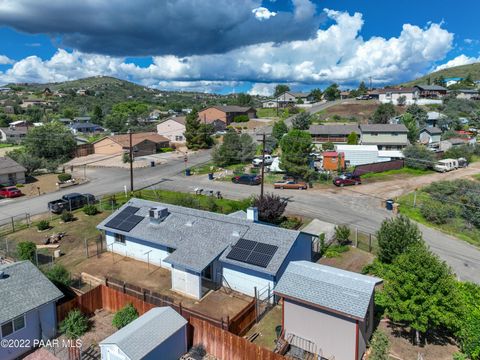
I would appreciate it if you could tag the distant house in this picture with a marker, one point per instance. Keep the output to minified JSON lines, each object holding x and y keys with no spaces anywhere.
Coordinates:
{"x":13,"y":134}
{"x":336,"y":134}
{"x":358,"y":154}
{"x":270,"y":104}
{"x":469,"y":94}
{"x":344,"y":94}
{"x":455,"y":142}
{"x":28,"y":307}
{"x":26,"y":103}
{"x":142,"y":143}
{"x":392,"y":95}
{"x":384,"y":136}
{"x":11,"y":172}
{"x":430,"y":136}
{"x":84,"y":119}
{"x":433,"y":118}
{"x":327,"y":312}
{"x":173,"y":129}
{"x":160,"y":333}
{"x":82,"y":92}
{"x":84,"y":128}
{"x":9,"y":109}
{"x":289,"y":98}
{"x":452,"y":81}
{"x":204,"y":250}
{"x":222,"y":116}
{"x":431,"y":91}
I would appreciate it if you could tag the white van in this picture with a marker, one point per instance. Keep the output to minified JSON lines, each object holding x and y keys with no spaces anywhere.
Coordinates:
{"x":446,"y":165}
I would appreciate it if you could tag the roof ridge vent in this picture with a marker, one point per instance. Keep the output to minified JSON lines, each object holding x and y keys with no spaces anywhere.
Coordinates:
{"x":235,"y":233}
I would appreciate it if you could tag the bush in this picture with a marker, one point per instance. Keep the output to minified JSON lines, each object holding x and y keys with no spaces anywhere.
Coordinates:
{"x":241,"y":118}
{"x":270,"y":208}
{"x":26,"y":251}
{"x":419,"y":157}
{"x":328,"y":146}
{"x":74,"y":325}
{"x":58,"y":275}
{"x":43,"y":225}
{"x":335,"y":250}
{"x":438,"y":212}
{"x":124,"y":316}
{"x":465,"y":151}
{"x":67,"y":216}
{"x":64,"y":177}
{"x":165,"y":150}
{"x":90,"y":210}
{"x":342,"y":234}
{"x":292,"y":223}
{"x":126,"y":157}
{"x":380,"y":346}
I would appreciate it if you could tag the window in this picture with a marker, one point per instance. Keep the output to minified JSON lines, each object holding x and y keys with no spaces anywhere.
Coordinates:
{"x":178,"y":138}
{"x":18,"y":323}
{"x":13,"y":326}
{"x":374,"y":134}
{"x":120,"y":238}
{"x":7,"y":329}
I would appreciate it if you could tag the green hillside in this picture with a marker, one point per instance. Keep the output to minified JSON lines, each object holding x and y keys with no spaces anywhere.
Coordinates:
{"x":458,"y":71}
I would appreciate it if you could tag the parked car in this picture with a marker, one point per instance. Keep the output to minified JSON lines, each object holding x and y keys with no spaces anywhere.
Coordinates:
{"x":446,"y":165}
{"x":10,"y":192}
{"x":70,"y":202}
{"x":462,"y":162}
{"x":363,"y":97}
{"x":290,"y":184}
{"x":247,"y":179}
{"x":258,"y":160}
{"x":347,"y":179}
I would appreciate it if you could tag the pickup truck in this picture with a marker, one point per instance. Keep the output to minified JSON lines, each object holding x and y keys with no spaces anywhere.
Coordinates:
{"x":258,"y":160}
{"x":70,"y":202}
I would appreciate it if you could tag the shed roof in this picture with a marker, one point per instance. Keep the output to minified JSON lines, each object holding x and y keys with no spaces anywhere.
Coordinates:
{"x":343,"y":130}
{"x":15,"y":130}
{"x":317,"y":227}
{"x":397,"y":90}
{"x":384,"y":128}
{"x":10,"y":166}
{"x":327,"y":287}
{"x":145,"y":333}
{"x":23,"y":288}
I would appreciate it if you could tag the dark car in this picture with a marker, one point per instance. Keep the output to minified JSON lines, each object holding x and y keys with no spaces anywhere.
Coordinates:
{"x":71,"y":202}
{"x":247,"y":179}
{"x":347,"y":179}
{"x":10,"y":192}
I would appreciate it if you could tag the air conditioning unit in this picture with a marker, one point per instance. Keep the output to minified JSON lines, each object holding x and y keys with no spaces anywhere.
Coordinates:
{"x":158,"y":214}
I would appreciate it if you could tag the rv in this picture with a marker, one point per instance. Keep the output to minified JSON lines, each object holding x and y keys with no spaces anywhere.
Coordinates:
{"x":446,"y":165}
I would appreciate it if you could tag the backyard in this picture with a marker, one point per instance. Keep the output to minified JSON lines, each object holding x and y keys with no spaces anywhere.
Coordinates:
{"x":264,"y":330}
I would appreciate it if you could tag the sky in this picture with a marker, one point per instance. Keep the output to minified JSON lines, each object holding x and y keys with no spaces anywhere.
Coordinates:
{"x":235,"y":45}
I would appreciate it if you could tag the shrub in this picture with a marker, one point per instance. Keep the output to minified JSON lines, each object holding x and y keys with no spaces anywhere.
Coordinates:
{"x":335,"y":250}
{"x":418,"y":157}
{"x":380,"y":346}
{"x":270,"y":207}
{"x":74,"y":325}
{"x":166,"y":149}
{"x":19,"y":185}
{"x":67,"y":216}
{"x":328,"y":146}
{"x":26,"y":251}
{"x":292,"y":223}
{"x":437,"y":212}
{"x":126,"y":157}
{"x":43,"y":225}
{"x":64,"y":177}
{"x":90,"y":210}
{"x":124,"y":316}
{"x":58,"y":275}
{"x":342,"y":234}
{"x":241,"y":118}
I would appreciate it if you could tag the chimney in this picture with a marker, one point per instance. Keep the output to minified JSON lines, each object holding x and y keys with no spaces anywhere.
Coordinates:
{"x":252,"y":214}
{"x":2,"y":274}
{"x":158,"y":214}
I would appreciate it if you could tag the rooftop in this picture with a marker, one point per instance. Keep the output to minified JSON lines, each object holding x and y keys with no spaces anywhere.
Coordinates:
{"x":23,"y":288}
{"x":15,"y":130}
{"x":327,"y":287}
{"x":9,"y":166}
{"x":233,"y":108}
{"x":137,"y":138}
{"x":432,"y":130}
{"x":373,"y":148}
{"x":333,"y":129}
{"x":384,"y":128}
{"x":396,"y":90}
{"x":144,"y":334}
{"x":431,"y":87}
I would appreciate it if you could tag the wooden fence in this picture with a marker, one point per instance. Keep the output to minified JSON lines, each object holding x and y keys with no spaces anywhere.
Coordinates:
{"x":244,"y":320}
{"x":225,"y":345}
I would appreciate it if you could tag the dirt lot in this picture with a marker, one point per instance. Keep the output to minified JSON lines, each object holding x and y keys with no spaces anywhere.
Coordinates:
{"x":360,"y":110}
{"x":42,"y":184}
{"x":352,"y":260}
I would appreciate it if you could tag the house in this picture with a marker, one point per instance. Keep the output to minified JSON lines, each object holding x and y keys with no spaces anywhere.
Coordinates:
{"x":455,"y":142}
{"x":289,"y":98}
{"x":269,"y":104}
{"x":9,"y":109}
{"x":385,"y":136}
{"x":11,"y":172}
{"x":82,"y":92}
{"x":204,"y":250}
{"x":147,"y":143}
{"x":84,"y":128}
{"x":392,"y":95}
{"x":430,"y":91}
{"x":333,"y":160}
{"x":344,"y":94}
{"x":26,"y":103}
{"x":84,"y":119}
{"x":469,"y":94}
{"x":430,"y":136}
{"x":433,"y":118}
{"x":452,"y":81}
{"x":222,"y":116}
{"x":160,"y":333}
{"x":336,"y":134}
{"x":327,"y":311}
{"x":13,"y":134}
{"x":28,"y":310}
{"x":359,"y":154}
{"x":173,"y":129}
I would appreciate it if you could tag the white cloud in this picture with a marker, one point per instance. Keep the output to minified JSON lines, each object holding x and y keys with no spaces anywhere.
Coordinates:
{"x":459,"y":60}
{"x":263,"y":89}
{"x":5,"y":60}
{"x":262,"y":13}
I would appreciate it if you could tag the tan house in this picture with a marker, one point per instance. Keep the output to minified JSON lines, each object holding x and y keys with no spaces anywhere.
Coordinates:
{"x":11,"y":172}
{"x":225,"y":114}
{"x":327,"y":311}
{"x":385,"y":136}
{"x":173,"y":129}
{"x":143,"y":144}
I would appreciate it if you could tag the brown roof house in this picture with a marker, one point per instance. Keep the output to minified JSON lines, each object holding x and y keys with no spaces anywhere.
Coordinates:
{"x":222,"y":116}
{"x":146,"y":143}
{"x":173,"y":128}
{"x":326,"y":311}
{"x":11,"y":172}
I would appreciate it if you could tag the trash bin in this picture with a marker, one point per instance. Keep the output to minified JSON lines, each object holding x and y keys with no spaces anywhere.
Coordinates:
{"x":389,"y":204}
{"x":187,"y":172}
{"x":278,"y":330}
{"x":152,"y":163}
{"x":210,"y":176}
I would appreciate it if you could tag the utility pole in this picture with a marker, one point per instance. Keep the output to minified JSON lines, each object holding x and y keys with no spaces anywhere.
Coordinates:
{"x":263,"y":166}
{"x":131,"y":160}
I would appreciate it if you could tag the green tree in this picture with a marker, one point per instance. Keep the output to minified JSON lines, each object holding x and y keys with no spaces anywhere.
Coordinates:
{"x":316,"y":94}
{"x":270,"y":208}
{"x":124,"y":316}
{"x":35,"y":114}
{"x":402,"y":100}
{"x":420,"y":292}
{"x":332,"y":92}
{"x":380,"y":346}
{"x":69,"y":113}
{"x":280,"y":89}
{"x":411,"y":124}
{"x":395,"y":236}
{"x":328,"y":146}
{"x":52,"y":141}
{"x":418,"y":113}
{"x":362,"y":88}
{"x":59,"y":275}
{"x":469,"y":330}
{"x":383,"y":113}
{"x":296,"y":147}
{"x":352,"y":138}
{"x":244,"y":99}
{"x":97,"y":114}
{"x":235,"y":149}
{"x":418,"y":157}
{"x":74,"y":325}
{"x":29,"y":162}
{"x":301,"y":121}
{"x":279,"y":129}
{"x":197,"y":135}
{"x":26,"y":251}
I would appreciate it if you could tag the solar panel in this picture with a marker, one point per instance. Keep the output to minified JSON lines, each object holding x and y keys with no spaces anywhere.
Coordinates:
{"x":259,"y":259}
{"x":125,"y":220}
{"x":246,"y":244}
{"x":266,"y":249}
{"x":252,"y":252}
{"x":238,"y":254}
{"x":130,"y":210}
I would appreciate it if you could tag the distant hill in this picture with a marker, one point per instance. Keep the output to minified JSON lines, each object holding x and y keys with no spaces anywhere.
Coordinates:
{"x":458,"y":71}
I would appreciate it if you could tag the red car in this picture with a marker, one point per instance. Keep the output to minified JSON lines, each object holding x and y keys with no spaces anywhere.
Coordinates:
{"x":347,"y":179}
{"x":10,"y":192}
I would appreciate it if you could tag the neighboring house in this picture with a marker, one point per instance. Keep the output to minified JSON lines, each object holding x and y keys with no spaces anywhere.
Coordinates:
{"x":173,"y":129}
{"x":26,"y":103}
{"x":160,"y":333}
{"x":13,"y":134}
{"x":359,"y":154}
{"x":430,"y":136}
{"x":344,"y":94}
{"x":28,"y":307}
{"x":452,"y":81}
{"x":11,"y":172}
{"x":327,"y":311}
{"x":143,"y":144}
{"x":336,"y":134}
{"x":289,"y":98}
{"x":84,"y":128}
{"x":469,"y":94}
{"x":433,"y":118}
{"x":431,"y":91}
{"x":392,"y":95}
{"x":84,"y":119}
{"x":269,"y":104}
{"x":385,"y":136}
{"x":204,"y":250}
{"x":222,"y":116}
{"x":454,"y":142}
{"x":332,"y":160}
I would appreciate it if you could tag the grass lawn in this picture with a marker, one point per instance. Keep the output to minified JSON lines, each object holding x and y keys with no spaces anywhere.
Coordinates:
{"x":3,"y":145}
{"x":270,"y":113}
{"x":476,"y":177}
{"x":4,"y":148}
{"x":266,"y":328}
{"x":210,"y":167}
{"x":390,"y":174}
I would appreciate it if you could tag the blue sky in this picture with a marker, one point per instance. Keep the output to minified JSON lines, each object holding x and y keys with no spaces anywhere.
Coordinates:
{"x":242,"y":45}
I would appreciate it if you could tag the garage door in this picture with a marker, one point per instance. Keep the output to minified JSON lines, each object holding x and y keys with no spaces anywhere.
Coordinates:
{"x":244,"y":283}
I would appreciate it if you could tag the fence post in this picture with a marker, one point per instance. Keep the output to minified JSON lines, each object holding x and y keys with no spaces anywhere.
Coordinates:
{"x":6,"y":247}
{"x":256,"y":304}
{"x":356,"y":237}
{"x":180,"y":308}
{"x":13,"y":225}
{"x":369,"y":242}
{"x":86,"y":246}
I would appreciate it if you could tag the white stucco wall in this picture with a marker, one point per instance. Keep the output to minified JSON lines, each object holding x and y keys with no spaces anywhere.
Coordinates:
{"x":171,"y":129}
{"x":245,"y":281}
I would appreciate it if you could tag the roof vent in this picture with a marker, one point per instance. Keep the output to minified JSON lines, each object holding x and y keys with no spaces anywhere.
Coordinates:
{"x":189,"y":223}
{"x":158,"y":214}
{"x":2,"y":274}
{"x":235,"y":233}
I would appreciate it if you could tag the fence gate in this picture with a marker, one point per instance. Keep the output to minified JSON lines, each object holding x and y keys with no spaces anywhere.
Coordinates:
{"x":264,"y":301}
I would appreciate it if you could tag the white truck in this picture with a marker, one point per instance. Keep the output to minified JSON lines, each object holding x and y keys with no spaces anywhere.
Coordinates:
{"x":275,"y":166}
{"x":446,"y":165}
{"x":258,"y":160}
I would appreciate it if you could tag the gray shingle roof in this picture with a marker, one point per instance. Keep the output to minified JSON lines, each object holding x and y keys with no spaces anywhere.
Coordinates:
{"x":432,"y":130}
{"x":233,"y":108}
{"x":9,"y":166}
{"x":333,"y":129}
{"x":200,"y":236}
{"x":384,"y":128}
{"x":431,"y":87}
{"x":24,"y":288}
{"x":144,"y":334}
{"x":327,"y":287}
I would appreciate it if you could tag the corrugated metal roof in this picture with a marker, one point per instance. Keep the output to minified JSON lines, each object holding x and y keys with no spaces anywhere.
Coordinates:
{"x":372,"y":148}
